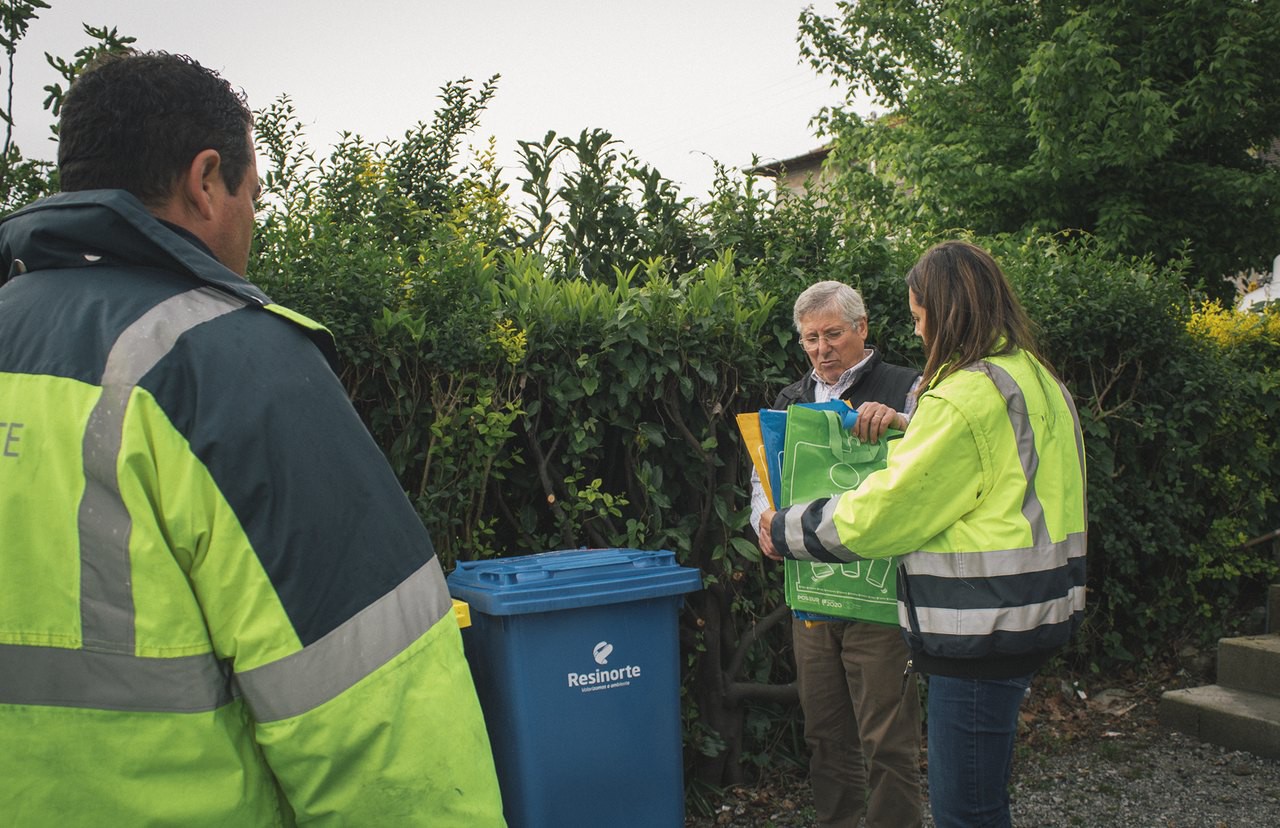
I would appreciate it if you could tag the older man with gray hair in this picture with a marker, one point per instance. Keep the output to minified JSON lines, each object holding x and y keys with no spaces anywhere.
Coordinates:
{"x":861,"y":721}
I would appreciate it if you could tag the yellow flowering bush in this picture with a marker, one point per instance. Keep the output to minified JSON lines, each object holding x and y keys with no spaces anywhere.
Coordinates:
{"x":1231,"y":328}
{"x":513,"y":341}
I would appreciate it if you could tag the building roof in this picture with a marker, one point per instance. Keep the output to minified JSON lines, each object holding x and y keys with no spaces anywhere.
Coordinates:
{"x":772,"y":169}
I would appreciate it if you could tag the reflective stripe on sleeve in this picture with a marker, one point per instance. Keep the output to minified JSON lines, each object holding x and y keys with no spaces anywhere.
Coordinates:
{"x":369,"y":639}
{"x":809,"y":533}
{"x":792,"y":519}
{"x":61,"y":677}
{"x":827,"y":536}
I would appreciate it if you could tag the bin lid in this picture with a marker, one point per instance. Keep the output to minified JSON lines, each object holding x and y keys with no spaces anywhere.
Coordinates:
{"x":570,"y":578}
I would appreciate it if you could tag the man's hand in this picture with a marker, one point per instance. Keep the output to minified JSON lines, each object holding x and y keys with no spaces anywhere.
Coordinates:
{"x":874,"y":419}
{"x":766,"y":542}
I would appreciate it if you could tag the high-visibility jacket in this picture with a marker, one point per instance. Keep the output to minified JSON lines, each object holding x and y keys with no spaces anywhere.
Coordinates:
{"x":983,"y":501}
{"x":218,"y":606}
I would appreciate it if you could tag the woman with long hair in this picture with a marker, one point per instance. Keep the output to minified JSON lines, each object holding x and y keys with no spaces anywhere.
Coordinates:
{"x":983,"y":506}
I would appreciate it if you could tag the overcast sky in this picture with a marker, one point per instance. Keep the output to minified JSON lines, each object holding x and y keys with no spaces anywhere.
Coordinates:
{"x":679,"y":82}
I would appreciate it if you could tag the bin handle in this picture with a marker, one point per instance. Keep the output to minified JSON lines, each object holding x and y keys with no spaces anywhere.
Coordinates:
{"x":615,"y":559}
{"x":611,"y":560}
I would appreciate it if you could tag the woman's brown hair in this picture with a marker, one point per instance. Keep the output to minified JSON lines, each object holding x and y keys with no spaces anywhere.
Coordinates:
{"x":970,"y":310}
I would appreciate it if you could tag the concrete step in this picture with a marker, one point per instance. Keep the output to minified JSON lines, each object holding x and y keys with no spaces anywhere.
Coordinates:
{"x":1234,"y":719}
{"x":1251,"y":662}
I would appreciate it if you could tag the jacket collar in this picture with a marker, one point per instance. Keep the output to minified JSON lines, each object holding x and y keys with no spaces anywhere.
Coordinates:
{"x":858,"y":371}
{"x":94,"y":227}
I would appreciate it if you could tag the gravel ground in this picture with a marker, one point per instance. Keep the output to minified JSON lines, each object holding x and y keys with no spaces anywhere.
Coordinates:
{"x":1161,"y":780}
{"x":1088,"y":762}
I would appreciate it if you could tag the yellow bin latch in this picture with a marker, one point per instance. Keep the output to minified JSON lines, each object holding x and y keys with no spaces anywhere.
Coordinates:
{"x":462,"y":610}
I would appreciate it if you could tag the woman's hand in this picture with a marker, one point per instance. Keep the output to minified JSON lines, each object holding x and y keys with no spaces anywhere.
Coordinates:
{"x":874,"y":419}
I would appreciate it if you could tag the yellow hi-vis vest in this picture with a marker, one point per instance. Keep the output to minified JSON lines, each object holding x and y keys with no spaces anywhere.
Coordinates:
{"x":219,"y":608}
{"x":983,"y":503}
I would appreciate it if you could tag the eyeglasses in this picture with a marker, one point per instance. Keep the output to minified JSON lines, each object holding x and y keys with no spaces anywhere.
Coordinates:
{"x":811,"y":342}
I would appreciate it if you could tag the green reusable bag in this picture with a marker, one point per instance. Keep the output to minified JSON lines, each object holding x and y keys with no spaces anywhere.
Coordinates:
{"x":821,"y":458}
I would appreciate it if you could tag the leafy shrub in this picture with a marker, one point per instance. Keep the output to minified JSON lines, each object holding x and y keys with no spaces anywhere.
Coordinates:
{"x":1181,"y":439}
{"x":389,"y":244}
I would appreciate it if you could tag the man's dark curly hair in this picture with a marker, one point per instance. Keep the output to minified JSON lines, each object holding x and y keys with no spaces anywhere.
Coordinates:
{"x":135,"y":122}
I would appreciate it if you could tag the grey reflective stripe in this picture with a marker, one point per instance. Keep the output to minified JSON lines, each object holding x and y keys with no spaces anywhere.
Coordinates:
{"x":1075,"y":417}
{"x":1016,"y":405}
{"x":801,"y":518}
{"x":827,"y":534}
{"x":981,"y":621}
{"x":997,"y":563}
{"x":112,"y":681}
{"x":794,"y":529}
{"x":106,"y":590}
{"x":369,"y":639}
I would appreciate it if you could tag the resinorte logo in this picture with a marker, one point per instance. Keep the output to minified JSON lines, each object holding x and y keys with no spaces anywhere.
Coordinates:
{"x":605,"y":679}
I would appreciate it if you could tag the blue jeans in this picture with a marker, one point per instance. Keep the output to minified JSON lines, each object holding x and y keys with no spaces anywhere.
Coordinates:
{"x":972,"y":725}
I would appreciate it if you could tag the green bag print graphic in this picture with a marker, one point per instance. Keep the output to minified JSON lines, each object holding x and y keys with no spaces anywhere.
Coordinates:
{"x":821,"y":459}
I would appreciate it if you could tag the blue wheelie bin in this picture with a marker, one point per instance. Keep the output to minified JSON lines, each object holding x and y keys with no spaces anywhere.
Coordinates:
{"x":575,"y":657}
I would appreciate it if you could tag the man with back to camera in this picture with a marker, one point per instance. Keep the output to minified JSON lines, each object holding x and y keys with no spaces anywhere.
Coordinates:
{"x":219,"y":606}
{"x":861,"y":719}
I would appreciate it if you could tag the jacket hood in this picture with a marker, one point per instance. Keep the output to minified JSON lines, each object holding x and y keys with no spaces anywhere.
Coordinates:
{"x":94,"y":227}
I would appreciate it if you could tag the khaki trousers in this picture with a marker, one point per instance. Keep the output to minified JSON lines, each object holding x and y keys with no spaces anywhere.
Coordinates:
{"x":862,"y":729}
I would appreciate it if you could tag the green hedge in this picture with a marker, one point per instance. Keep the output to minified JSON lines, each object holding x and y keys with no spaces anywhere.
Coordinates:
{"x":527,"y":407}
